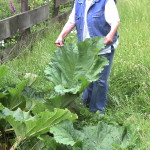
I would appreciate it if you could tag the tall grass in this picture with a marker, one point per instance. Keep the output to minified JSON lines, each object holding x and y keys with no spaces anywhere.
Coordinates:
{"x":130,"y":75}
{"x":129,"y":94}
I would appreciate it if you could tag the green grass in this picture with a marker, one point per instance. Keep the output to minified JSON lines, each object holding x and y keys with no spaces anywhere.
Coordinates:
{"x":129,"y":81}
{"x":129,"y":94}
{"x":33,"y":60}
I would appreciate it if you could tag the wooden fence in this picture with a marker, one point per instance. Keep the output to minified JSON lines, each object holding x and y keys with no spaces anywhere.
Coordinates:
{"x":10,"y":26}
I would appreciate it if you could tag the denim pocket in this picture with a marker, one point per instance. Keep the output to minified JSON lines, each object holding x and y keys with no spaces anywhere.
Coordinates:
{"x":98,"y":14}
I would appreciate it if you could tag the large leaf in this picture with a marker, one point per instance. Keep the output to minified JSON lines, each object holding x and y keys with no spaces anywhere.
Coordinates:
{"x":13,"y":97}
{"x":26,"y":126}
{"x":62,"y":101}
{"x":75,"y":65}
{"x":100,"y":137}
{"x":43,"y":142}
{"x":30,"y":92}
{"x":38,"y":102}
{"x":65,"y":133}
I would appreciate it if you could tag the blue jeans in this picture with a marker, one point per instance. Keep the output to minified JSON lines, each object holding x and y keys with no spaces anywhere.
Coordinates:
{"x":95,"y":95}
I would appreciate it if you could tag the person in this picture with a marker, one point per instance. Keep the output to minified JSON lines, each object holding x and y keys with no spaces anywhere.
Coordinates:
{"x":95,"y":18}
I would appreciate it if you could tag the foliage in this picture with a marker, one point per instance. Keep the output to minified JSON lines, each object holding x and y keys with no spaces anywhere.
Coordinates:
{"x":3,"y":71}
{"x":74,"y":66}
{"x":13,"y":96}
{"x":129,"y":81}
{"x":5,"y":10}
{"x":42,"y":142}
{"x":104,"y":136}
{"x":37,"y":3}
{"x":24,"y":123}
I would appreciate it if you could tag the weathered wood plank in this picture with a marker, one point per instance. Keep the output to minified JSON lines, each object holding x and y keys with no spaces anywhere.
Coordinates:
{"x":30,"y":18}
{"x":9,"y":26}
{"x":11,"y":52}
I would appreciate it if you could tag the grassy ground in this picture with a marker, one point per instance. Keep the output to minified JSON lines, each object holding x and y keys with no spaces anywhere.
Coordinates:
{"x":129,"y":94}
{"x":129,"y":81}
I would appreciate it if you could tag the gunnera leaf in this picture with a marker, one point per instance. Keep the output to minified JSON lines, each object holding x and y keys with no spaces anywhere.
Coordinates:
{"x":100,"y":137}
{"x":13,"y":97}
{"x":75,"y":65}
{"x":25,"y":125}
{"x":64,"y":133}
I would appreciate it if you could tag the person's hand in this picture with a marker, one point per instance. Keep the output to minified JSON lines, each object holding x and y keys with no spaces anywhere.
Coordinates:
{"x":108,"y":39}
{"x":59,"y":42}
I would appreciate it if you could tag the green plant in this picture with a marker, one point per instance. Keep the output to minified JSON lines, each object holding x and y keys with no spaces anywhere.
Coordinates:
{"x":5,"y":9}
{"x":36,"y":3}
{"x":14,"y":110}
{"x":74,"y":66}
{"x":129,"y":81}
{"x":102,"y":136}
{"x":26,"y":126}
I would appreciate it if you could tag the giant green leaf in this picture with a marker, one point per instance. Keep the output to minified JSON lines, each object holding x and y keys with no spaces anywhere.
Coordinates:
{"x":38,"y":102}
{"x":75,"y":65}
{"x":100,"y":137}
{"x":62,"y":101}
{"x":26,"y":126}
{"x":13,"y":97}
{"x":65,"y":133}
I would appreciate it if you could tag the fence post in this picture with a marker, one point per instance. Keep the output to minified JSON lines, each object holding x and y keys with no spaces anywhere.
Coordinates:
{"x":24,"y":7}
{"x":56,"y":9}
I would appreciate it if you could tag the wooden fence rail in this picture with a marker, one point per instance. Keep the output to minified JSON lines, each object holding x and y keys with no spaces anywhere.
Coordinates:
{"x":25,"y":20}
{"x":9,"y":26}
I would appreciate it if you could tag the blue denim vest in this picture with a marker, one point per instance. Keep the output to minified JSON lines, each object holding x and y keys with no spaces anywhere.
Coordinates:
{"x":96,"y":22}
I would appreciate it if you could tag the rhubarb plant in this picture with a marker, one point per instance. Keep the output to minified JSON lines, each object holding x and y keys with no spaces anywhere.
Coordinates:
{"x":26,"y":126}
{"x":73,"y":66}
{"x":24,"y":114}
{"x":100,"y":137}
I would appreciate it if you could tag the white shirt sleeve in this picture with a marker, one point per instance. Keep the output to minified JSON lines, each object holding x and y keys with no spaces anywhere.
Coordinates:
{"x":111,"y":12}
{"x":72,"y":15}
